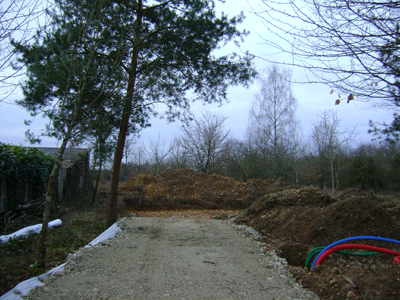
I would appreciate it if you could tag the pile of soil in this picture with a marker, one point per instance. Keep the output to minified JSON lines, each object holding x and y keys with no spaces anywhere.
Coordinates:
{"x":311,"y":217}
{"x":185,"y":188}
{"x":293,"y":220}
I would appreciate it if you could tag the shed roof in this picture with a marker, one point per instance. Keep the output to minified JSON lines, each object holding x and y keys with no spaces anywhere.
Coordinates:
{"x":70,"y":155}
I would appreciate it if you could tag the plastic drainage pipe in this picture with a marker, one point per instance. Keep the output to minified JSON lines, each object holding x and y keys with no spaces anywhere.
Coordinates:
{"x":317,"y":250}
{"x":354,"y":246}
{"x":375,"y":238}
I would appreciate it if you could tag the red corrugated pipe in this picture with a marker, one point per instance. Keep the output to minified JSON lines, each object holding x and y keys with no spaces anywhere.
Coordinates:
{"x":356,"y":246}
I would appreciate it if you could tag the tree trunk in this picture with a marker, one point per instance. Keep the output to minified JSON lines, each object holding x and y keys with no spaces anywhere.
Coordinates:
{"x":96,"y":186}
{"x":51,"y":186}
{"x":333,"y":179}
{"x":3,"y":196}
{"x":112,"y":203}
{"x":337,"y":177}
{"x":126,"y":113}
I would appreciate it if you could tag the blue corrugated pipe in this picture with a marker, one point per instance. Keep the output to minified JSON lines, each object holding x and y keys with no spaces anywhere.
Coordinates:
{"x":353,"y":239}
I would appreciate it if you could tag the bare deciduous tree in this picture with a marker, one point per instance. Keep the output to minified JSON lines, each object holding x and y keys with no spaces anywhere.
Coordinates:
{"x":18,"y":19}
{"x":139,"y":160}
{"x":297,"y":150}
{"x":239,"y":160}
{"x":350,"y":45}
{"x":272,"y":117}
{"x":204,"y":141}
{"x":178,"y":158}
{"x":329,"y":143}
{"x":158,"y":151}
{"x":129,"y":149}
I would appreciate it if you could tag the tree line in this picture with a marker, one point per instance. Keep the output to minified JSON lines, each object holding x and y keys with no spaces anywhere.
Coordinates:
{"x":97,"y":69}
{"x":274,"y":147}
{"x":369,"y":166}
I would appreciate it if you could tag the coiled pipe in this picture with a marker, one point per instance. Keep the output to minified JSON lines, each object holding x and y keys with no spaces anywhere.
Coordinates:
{"x":354,"y":246}
{"x":375,"y":238}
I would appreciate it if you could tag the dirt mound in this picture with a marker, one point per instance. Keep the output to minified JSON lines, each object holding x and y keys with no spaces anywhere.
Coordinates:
{"x":358,"y":194}
{"x":298,"y":220}
{"x":186,"y":189}
{"x":309,"y":216}
{"x":305,"y":196}
{"x":292,"y":220}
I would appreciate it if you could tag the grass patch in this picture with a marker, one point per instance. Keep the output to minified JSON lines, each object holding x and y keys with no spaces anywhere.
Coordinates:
{"x":19,"y":256}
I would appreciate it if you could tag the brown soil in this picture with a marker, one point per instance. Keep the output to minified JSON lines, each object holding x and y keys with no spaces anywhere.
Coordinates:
{"x":185,"y":189}
{"x":293,"y":220}
{"x":296,"y":221}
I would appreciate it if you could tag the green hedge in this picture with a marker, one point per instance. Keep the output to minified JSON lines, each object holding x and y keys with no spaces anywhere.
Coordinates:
{"x":23,"y":174}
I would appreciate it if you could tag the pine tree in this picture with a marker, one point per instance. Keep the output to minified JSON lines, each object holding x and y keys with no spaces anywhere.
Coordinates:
{"x":67,"y":83}
{"x":134,"y":55}
{"x":167,"y":51}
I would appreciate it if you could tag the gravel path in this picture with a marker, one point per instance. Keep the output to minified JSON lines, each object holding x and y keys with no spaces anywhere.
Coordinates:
{"x":175,"y":258}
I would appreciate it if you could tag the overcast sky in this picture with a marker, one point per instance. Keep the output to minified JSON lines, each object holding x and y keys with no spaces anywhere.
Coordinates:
{"x":311,"y":98}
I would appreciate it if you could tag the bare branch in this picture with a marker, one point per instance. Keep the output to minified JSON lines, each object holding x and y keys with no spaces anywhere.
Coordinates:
{"x":18,"y":19}
{"x":339,"y":43}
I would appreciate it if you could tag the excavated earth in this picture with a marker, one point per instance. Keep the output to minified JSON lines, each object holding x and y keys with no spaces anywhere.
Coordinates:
{"x":290,"y":220}
{"x":187,"y":189}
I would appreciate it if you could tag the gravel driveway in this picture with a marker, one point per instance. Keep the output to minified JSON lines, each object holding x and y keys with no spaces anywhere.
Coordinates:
{"x":175,"y":258}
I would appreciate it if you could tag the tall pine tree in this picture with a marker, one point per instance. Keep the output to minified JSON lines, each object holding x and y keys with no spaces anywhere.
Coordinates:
{"x":142,"y":53}
{"x":167,"y":49}
{"x":68,"y":83}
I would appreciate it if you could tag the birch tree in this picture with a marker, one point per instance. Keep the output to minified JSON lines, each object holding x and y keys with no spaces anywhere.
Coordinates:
{"x":329,"y":143}
{"x":271,"y":119}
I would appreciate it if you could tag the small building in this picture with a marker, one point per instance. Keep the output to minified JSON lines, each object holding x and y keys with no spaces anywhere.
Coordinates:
{"x":74,"y":181}
{"x":21,"y":184}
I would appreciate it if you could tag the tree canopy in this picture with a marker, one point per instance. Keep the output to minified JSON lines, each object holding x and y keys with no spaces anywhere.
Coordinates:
{"x":204,"y":142}
{"x":168,"y":47}
{"x":66,"y":81}
{"x":118,"y":59}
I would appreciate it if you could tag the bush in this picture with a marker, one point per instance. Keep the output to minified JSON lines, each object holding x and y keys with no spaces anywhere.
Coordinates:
{"x":23,"y":174}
